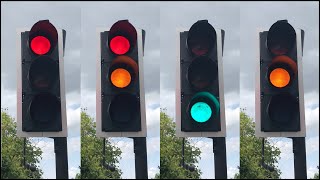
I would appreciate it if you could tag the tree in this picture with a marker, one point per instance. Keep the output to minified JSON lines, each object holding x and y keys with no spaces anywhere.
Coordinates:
{"x":251,"y":150}
{"x":316,"y":175}
{"x":12,"y":152}
{"x":92,"y":153}
{"x":170,"y":152}
{"x":237,"y":176}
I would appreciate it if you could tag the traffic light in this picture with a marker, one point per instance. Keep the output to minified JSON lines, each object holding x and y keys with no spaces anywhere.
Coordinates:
{"x":279,"y":87}
{"x":120,"y":88}
{"x":41,"y":106}
{"x":199,"y":93}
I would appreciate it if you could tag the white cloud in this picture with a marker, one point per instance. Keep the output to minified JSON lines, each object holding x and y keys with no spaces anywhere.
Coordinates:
{"x":88,"y":100}
{"x":155,"y":53}
{"x":152,"y":171}
{"x":73,"y":171}
{"x":9,"y":100}
{"x":73,"y":118}
{"x":73,"y":55}
{"x":233,"y":145}
{"x":152,"y":104}
{"x":167,"y":100}
{"x":73,"y":99}
{"x":232,"y":119}
{"x":126,"y":146}
{"x":232,"y":99}
{"x":205,"y":145}
{"x":311,"y":171}
{"x":312,"y":145}
{"x":152,"y":98}
{"x":47,"y":147}
{"x":74,"y":145}
{"x":285,"y":146}
{"x":247,"y":100}
{"x":232,"y":171}
{"x":232,"y":53}
{"x":312,"y":120}
{"x":153,"y":145}
{"x":312,"y":53}
{"x":311,"y":98}
{"x":153,"y":121}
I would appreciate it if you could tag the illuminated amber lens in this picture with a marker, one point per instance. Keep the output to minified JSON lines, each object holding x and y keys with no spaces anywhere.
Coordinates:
{"x":120,"y":78}
{"x":279,"y":77}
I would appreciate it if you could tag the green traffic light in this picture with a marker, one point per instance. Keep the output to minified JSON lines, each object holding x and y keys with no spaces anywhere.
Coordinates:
{"x":204,"y":106}
{"x":201,"y":112}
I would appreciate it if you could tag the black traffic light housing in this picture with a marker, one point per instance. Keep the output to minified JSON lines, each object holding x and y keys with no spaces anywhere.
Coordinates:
{"x":279,"y":79}
{"x":40,"y":88}
{"x":120,"y":78}
{"x":199,"y":78}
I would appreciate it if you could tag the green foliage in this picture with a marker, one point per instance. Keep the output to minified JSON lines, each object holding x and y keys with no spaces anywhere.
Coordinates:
{"x":170,"y":152}
{"x":12,"y":152}
{"x":92,"y":153}
{"x":250,"y":153}
{"x":236,"y":176}
{"x":316,"y":176}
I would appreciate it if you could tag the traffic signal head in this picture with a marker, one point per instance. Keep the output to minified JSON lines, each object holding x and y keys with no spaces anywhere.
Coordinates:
{"x":43,"y":37}
{"x":40,"y":95}
{"x":199,"y":95}
{"x":122,"y":37}
{"x":120,"y":94}
{"x":279,"y":100}
{"x":201,"y":38}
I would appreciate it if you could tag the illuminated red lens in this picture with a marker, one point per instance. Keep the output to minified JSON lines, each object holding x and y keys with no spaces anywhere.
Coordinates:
{"x":119,"y":45}
{"x":40,"y":45}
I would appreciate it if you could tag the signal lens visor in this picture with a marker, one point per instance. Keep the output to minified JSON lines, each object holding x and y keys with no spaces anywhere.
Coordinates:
{"x":40,"y":45}
{"x":279,"y":77}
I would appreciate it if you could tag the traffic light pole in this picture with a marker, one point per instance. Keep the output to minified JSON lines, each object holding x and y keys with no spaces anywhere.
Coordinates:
{"x":140,"y":151}
{"x":220,"y":158}
{"x":60,"y":148}
{"x":299,"y":151}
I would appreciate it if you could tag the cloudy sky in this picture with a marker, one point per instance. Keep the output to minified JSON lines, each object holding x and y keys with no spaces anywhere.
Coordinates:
{"x":303,"y":15}
{"x":160,"y":21}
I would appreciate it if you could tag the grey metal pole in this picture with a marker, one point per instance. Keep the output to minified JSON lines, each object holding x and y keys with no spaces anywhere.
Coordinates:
{"x":299,"y":151}
{"x":140,"y":151}
{"x":61,"y":150}
{"x":220,"y":158}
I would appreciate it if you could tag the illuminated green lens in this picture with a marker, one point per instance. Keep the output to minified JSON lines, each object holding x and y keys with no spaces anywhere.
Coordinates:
{"x":201,"y":112}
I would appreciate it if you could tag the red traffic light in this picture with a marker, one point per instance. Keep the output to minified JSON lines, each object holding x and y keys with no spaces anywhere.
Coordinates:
{"x":122,"y":37}
{"x":43,"y":36}
{"x":40,"y":45}
{"x":119,"y":45}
